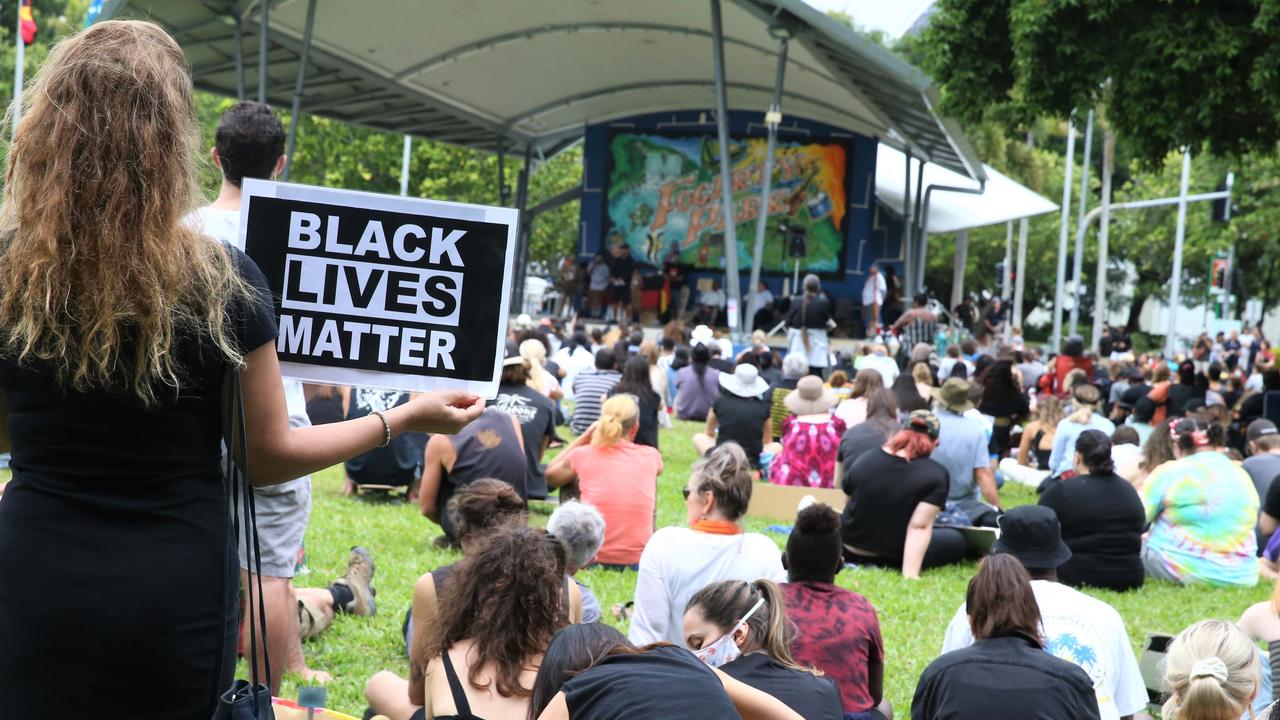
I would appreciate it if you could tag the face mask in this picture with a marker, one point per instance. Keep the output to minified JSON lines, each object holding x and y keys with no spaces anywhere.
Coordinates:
{"x":725,"y":650}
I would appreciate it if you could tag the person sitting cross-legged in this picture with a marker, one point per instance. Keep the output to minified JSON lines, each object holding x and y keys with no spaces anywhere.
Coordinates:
{"x":480,"y":511}
{"x":484,"y":654}
{"x":895,"y":493}
{"x":607,"y":469}
{"x":741,"y":628}
{"x":1077,"y":628}
{"x":1004,"y":673}
{"x":1102,"y":519}
{"x":679,"y":561}
{"x":836,"y":630}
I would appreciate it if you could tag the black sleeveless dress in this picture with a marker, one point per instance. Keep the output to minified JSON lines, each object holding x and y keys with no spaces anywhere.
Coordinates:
{"x":117,"y":576}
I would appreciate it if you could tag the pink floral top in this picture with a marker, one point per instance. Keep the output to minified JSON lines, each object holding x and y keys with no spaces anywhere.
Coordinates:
{"x":809,"y":453}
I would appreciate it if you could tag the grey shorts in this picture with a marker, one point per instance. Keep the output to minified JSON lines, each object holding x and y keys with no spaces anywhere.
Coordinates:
{"x":282,"y":511}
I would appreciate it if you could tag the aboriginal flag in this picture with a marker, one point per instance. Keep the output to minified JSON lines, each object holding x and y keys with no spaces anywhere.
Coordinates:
{"x":27,"y":22}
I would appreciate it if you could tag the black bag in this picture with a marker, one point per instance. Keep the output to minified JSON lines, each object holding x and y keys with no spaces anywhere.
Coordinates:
{"x":244,"y":700}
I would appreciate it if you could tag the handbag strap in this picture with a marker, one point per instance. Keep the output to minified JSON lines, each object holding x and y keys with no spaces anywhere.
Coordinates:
{"x":236,"y":472}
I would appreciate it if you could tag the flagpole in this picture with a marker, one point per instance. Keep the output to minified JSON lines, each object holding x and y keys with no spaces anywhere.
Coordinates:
{"x":19,"y":67}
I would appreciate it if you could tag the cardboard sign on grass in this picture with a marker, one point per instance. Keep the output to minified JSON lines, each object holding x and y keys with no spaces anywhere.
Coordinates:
{"x":383,"y":290}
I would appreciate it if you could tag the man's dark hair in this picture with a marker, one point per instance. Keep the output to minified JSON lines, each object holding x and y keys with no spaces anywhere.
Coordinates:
{"x":668,"y":344}
{"x":920,"y":300}
{"x":249,"y":139}
{"x":605,"y":359}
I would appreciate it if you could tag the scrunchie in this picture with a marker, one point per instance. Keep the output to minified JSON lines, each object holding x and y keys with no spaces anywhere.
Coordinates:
{"x":1210,"y":667}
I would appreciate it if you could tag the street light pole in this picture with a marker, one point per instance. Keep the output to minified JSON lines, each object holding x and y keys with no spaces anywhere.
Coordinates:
{"x":732,"y":292}
{"x":1175,"y":282}
{"x":1077,"y":269}
{"x":772,"y":119}
{"x":1056,"y":340}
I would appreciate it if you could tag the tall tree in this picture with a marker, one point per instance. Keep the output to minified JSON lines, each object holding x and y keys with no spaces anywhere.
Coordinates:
{"x":1182,"y":72}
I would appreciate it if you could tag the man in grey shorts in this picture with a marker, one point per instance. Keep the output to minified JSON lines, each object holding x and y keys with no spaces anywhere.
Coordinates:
{"x":250,"y":143}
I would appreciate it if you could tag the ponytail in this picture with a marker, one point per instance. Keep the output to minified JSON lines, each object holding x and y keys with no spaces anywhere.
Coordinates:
{"x":724,"y":603}
{"x":1211,"y":671}
{"x":617,"y":416}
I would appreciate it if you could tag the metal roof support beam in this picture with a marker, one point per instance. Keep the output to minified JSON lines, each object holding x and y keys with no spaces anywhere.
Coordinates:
{"x":295,"y":113}
{"x":915,"y":231}
{"x":264,"y":29}
{"x":496,"y":41}
{"x":771,"y":118}
{"x":239,"y":61}
{"x":522,"y":233}
{"x":726,"y":172}
{"x":908,"y":254}
{"x":555,"y":201}
{"x":858,"y":124}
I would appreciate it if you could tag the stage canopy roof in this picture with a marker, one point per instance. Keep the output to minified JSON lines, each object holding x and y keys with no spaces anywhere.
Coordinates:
{"x":1002,"y":200}
{"x":519,"y":74}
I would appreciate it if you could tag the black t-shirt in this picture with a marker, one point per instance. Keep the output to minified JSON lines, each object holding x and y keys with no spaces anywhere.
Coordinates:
{"x":1134,"y":393}
{"x":621,"y":268}
{"x":666,"y":682}
{"x":1179,"y":395}
{"x":966,"y":314}
{"x":400,"y":462}
{"x":1106,"y":345}
{"x":812,"y":697}
{"x":1120,"y":344}
{"x":648,"y":432}
{"x":537,"y":417}
{"x":1271,"y":503}
{"x":1102,"y":519}
{"x":860,"y":439}
{"x":1004,"y":678}
{"x":812,"y":313}
{"x":742,"y":421}
{"x":1014,"y":409}
{"x":884,"y":491}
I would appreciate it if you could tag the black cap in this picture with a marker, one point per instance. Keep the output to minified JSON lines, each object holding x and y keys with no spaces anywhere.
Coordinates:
{"x":1032,"y":534}
{"x":512,"y":354}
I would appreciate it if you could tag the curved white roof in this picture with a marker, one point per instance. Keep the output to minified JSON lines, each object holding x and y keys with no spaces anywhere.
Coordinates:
{"x":1002,"y":200}
{"x":520,"y":73}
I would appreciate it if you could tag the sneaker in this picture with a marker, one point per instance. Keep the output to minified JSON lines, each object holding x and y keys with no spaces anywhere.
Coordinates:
{"x":359,"y":579}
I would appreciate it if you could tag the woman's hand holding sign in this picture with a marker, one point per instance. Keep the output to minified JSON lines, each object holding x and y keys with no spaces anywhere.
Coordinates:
{"x":445,"y":411}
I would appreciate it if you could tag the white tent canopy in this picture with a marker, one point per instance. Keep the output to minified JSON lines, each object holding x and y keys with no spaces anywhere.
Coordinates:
{"x":515,"y":74}
{"x":1003,"y":199}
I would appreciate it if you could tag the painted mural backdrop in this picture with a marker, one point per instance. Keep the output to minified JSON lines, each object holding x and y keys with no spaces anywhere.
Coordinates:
{"x":664,"y":194}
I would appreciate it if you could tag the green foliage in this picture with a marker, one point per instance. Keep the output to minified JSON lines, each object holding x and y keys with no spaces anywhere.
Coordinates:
{"x":1180,"y":72}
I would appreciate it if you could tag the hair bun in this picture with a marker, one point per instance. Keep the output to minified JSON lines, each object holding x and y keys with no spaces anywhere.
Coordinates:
{"x":1210,"y":667}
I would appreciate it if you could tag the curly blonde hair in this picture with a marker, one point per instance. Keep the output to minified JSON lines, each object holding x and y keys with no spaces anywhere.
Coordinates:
{"x":99,"y":277}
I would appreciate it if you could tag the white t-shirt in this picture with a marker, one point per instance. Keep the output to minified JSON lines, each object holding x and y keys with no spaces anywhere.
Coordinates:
{"x":873,"y":290}
{"x":678,"y":562}
{"x":224,"y":226}
{"x":1085,"y":631}
{"x":712,"y":298}
{"x":762,"y":299}
{"x":883,"y":364}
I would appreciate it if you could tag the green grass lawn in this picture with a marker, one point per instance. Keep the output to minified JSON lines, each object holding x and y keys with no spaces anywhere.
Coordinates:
{"x":913,"y":615}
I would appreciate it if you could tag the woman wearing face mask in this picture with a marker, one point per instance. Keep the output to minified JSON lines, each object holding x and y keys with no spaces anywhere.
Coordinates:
{"x":741,"y":628}
{"x":679,"y":561}
{"x":591,"y":672}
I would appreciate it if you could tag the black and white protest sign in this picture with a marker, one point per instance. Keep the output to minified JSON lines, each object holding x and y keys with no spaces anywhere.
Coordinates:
{"x":380,"y":290}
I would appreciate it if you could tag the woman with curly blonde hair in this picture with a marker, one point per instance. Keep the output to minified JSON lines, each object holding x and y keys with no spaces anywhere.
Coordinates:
{"x":118,"y":325}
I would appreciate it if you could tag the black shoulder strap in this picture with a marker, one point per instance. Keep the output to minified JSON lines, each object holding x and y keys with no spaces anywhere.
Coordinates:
{"x":462,"y":708}
{"x":236,"y":479}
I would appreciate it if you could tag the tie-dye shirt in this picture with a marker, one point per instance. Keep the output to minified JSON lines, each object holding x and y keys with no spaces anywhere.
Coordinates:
{"x":1203,"y":509}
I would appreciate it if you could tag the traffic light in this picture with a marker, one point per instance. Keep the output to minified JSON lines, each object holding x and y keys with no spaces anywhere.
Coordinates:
{"x":1220,"y":210}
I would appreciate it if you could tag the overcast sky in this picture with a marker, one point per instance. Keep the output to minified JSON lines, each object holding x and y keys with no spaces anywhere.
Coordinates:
{"x":892,"y":16}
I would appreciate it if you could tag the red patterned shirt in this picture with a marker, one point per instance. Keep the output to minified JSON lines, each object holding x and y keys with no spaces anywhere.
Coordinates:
{"x":838,"y":633}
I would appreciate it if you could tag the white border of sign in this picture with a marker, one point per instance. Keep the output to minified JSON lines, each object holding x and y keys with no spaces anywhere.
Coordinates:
{"x":394,"y":203}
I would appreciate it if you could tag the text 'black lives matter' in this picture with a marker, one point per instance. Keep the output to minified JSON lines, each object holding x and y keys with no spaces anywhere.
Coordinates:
{"x":382,"y":291}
